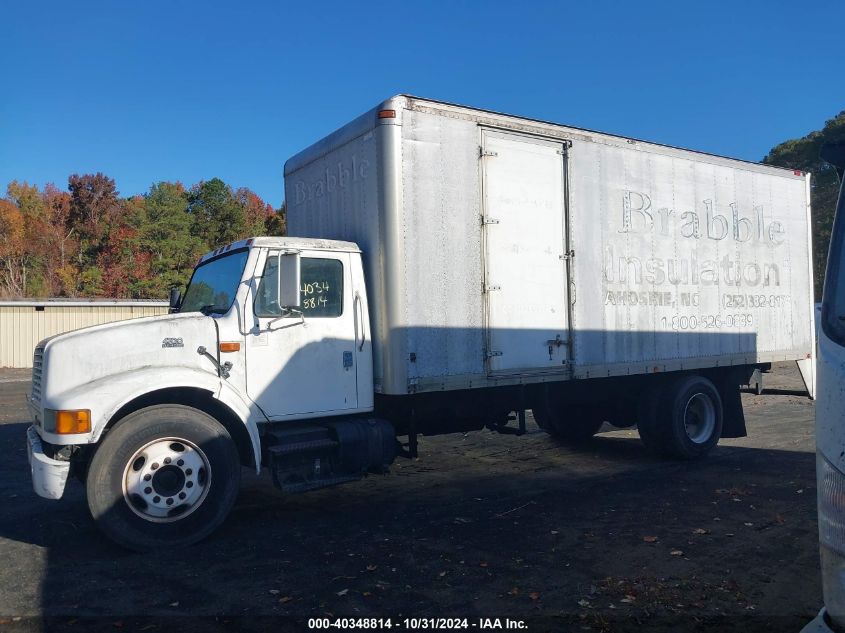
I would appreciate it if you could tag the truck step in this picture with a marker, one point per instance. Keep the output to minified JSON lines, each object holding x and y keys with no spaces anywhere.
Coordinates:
{"x":301,"y":447}
{"x":304,"y":486}
{"x":294,"y":435}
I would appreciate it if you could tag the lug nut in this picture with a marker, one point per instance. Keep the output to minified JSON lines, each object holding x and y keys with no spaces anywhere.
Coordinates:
{"x":147,"y":477}
{"x":181,"y":495}
{"x":181,"y":462}
{"x":147,"y":490}
{"x":156,"y":499}
{"x":166,"y":460}
{"x":154,"y":466}
{"x":170,"y":501}
{"x":190,"y":484}
{"x":189,"y":472}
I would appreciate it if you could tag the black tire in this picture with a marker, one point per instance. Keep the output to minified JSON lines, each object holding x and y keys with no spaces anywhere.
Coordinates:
{"x":569,"y":424}
{"x":163,"y":428}
{"x":688,"y":421}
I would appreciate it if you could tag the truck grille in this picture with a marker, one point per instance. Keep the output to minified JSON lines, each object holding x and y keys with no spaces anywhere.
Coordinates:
{"x":37,"y":363}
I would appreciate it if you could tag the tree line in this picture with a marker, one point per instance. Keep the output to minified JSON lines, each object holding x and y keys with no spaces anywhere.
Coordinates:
{"x":89,"y":241}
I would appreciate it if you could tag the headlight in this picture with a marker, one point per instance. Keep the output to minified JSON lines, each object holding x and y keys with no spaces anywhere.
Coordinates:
{"x":831,"y":500}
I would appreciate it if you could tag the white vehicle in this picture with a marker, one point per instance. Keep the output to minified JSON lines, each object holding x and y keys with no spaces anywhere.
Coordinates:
{"x":455,"y":267}
{"x":830,"y":419}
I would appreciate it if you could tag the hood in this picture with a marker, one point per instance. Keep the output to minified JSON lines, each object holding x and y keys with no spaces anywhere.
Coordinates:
{"x":82,"y":356}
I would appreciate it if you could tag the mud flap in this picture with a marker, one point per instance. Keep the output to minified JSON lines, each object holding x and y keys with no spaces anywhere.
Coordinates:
{"x":733,"y":417}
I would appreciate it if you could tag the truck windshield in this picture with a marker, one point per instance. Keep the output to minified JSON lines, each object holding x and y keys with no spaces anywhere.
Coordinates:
{"x":213,"y":285}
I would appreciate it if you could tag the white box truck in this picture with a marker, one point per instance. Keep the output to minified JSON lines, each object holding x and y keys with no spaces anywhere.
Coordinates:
{"x":452,"y":269}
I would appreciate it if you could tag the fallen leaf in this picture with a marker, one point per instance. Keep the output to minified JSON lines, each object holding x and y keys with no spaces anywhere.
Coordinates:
{"x":482,"y":564}
{"x":366,"y":593}
{"x":441,"y":574}
{"x":174,"y":604}
{"x":343,"y":592}
{"x":275,"y":592}
{"x":584,"y":603}
{"x":514,"y":591}
{"x":372,"y":567}
{"x":650,"y":539}
{"x":285,"y":599}
{"x":748,"y":524}
{"x":676,"y":552}
{"x":700,"y":531}
{"x":779,"y":519}
{"x":534,"y":596}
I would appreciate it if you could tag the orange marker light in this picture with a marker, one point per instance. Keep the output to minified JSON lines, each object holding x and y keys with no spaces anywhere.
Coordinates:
{"x":78,"y":421}
{"x":230,"y":347}
{"x":387,"y":114}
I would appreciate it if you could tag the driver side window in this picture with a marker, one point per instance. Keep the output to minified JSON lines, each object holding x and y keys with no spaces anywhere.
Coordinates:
{"x":320,"y":291}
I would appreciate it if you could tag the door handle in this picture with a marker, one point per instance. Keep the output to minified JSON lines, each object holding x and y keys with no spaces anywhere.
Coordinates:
{"x":359,"y":321}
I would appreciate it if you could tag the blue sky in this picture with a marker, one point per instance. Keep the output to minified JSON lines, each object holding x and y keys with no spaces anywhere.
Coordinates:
{"x":150,"y":91}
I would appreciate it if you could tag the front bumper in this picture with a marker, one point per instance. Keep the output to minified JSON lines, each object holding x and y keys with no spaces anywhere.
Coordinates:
{"x":49,"y":476}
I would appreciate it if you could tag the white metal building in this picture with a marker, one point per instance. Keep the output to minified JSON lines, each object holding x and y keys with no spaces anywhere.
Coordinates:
{"x":25,"y":322}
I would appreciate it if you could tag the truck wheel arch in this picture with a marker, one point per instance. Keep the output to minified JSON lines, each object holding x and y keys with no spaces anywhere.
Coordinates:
{"x":203,"y":400}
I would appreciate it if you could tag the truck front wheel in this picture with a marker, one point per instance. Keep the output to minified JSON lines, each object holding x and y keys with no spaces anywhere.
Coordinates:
{"x":163,"y":477}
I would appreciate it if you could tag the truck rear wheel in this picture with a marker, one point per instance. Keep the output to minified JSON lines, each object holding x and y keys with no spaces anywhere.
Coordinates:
{"x":569,"y":424}
{"x":163,"y":477}
{"x":688,"y":419}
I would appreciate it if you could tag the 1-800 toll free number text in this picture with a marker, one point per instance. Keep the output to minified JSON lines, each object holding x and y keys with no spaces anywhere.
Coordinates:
{"x":414,"y":624}
{"x":706,"y":321}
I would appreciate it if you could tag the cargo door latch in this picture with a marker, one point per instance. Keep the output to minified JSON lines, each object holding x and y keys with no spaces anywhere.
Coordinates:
{"x":555,"y":343}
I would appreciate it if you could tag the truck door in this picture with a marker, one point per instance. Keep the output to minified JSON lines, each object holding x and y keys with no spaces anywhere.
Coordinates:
{"x":526,"y":267}
{"x":298,"y":366}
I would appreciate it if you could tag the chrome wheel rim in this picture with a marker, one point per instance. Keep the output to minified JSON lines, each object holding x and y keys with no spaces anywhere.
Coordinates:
{"x":166,"y":480}
{"x":699,"y":418}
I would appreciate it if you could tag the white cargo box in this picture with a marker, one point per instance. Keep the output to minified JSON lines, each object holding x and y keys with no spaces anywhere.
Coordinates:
{"x":501,"y":250}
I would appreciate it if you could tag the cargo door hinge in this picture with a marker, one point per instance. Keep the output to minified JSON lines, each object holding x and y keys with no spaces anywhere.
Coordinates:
{"x":492,"y":354}
{"x":488,"y":220}
{"x":568,"y":255}
{"x":491,"y":288}
{"x":486,"y":152}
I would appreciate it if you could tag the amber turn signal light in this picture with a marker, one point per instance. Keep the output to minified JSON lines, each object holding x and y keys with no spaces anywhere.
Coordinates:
{"x":69,"y":422}
{"x":230,"y":347}
{"x":387,"y":114}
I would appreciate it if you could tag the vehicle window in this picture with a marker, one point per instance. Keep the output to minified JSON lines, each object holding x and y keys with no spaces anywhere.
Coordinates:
{"x":321,"y":289}
{"x":833,"y":304}
{"x":213,"y":285}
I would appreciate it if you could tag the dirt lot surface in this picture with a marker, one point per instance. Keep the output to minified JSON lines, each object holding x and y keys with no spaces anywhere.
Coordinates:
{"x":604,"y":538}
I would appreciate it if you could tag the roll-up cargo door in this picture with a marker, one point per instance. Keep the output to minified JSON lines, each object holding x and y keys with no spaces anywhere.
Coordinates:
{"x":526,"y":284}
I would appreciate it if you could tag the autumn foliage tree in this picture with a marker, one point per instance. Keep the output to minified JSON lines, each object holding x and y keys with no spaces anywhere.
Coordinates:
{"x":90,"y":242}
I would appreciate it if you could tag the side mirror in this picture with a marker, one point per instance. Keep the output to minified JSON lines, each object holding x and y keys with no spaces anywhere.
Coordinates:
{"x":288,"y":290}
{"x":175,"y":299}
{"x":834,"y":153}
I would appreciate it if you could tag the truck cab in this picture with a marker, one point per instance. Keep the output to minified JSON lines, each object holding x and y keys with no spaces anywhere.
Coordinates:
{"x":157,"y":415}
